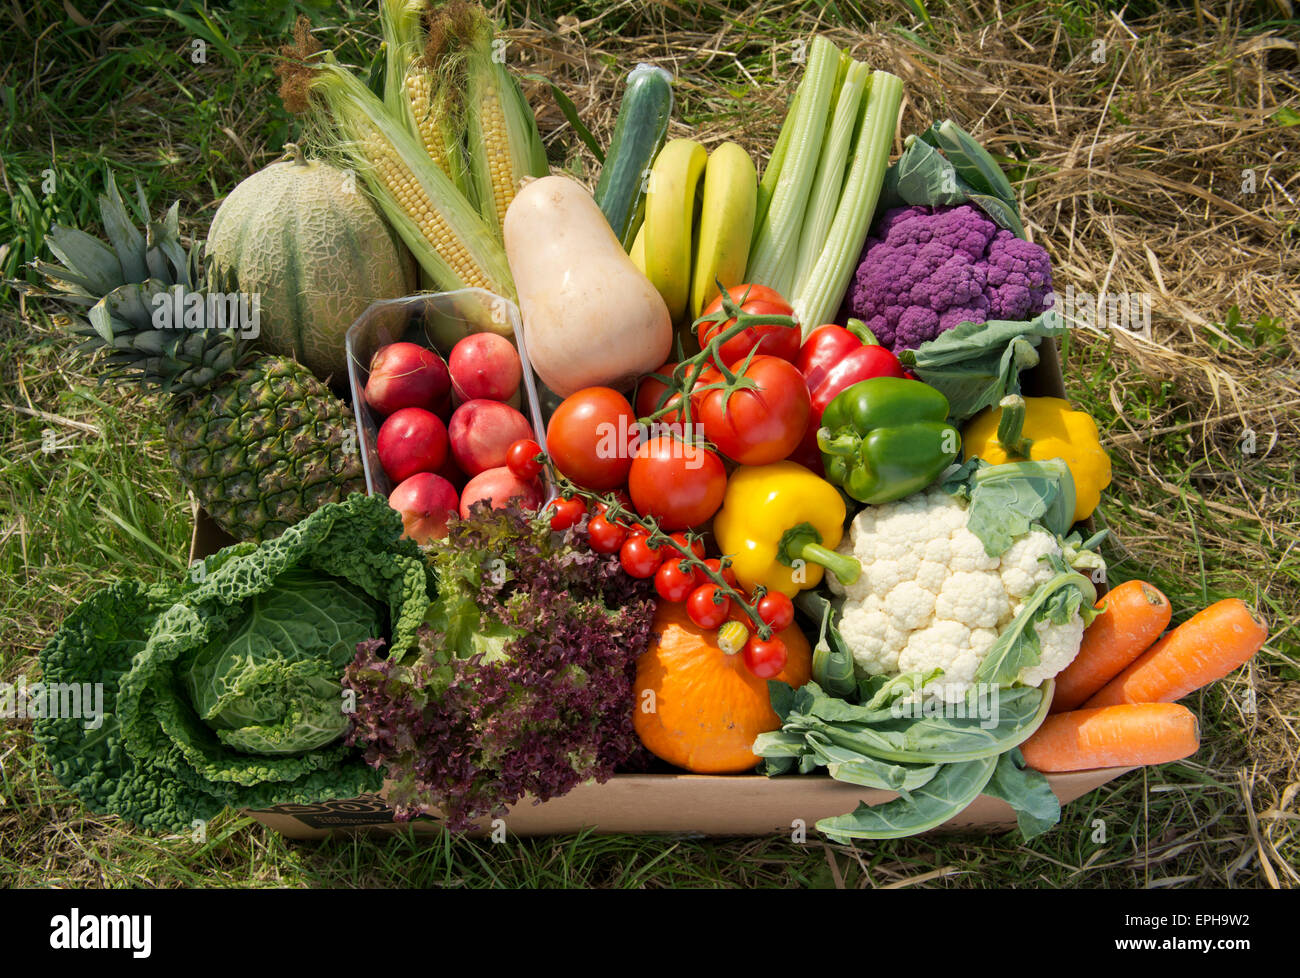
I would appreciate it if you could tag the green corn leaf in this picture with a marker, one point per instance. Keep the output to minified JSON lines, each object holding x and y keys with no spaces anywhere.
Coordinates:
{"x":571,"y":116}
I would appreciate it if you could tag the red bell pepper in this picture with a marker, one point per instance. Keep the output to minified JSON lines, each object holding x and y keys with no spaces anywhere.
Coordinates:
{"x":831,"y":359}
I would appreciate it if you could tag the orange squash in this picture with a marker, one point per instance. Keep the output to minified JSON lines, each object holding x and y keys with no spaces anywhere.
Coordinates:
{"x":696,"y":706}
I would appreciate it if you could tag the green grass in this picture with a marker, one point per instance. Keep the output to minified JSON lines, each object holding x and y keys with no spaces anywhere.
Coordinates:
{"x":102,"y":501}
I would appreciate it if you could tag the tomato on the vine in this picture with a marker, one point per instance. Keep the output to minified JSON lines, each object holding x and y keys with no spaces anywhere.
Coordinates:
{"x":521,"y":459}
{"x":776,"y":610}
{"x":626,"y":521}
{"x":765,"y":659}
{"x":566,"y":512}
{"x":675,"y":582}
{"x":707,"y":606}
{"x":728,"y":573}
{"x":681,"y":485}
{"x":650,"y":390}
{"x":695,"y":546}
{"x":604,"y":536}
{"x":591,"y":437}
{"x":638,"y":558}
{"x":776,"y":340}
{"x":763,"y":423}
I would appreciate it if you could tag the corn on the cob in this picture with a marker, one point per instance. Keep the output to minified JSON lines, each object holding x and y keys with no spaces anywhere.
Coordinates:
{"x":452,"y":243}
{"x":432,"y":123}
{"x":389,"y":169}
{"x":424,"y":85}
{"x":504,"y":144}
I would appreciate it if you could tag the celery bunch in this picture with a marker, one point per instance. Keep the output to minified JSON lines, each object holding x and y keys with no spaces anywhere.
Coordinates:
{"x":820,"y":188}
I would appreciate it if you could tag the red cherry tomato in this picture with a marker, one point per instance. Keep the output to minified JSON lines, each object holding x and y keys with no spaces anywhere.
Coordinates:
{"x":521,"y":459}
{"x":680,"y":485}
{"x":566,"y":512}
{"x":728,"y":573}
{"x":590,"y":438}
{"x":760,"y":425}
{"x":696,"y":547}
{"x":765,"y":659}
{"x":638,"y":558}
{"x":626,"y":521}
{"x":707,"y":607}
{"x":776,"y":340}
{"x":776,"y":610}
{"x":605,"y":537}
{"x":674,"y":582}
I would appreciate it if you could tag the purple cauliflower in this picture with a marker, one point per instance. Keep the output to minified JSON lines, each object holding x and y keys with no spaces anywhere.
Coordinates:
{"x":924,"y":270}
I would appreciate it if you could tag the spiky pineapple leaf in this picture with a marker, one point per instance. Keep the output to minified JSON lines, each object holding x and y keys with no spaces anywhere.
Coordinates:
{"x":87,"y":257}
{"x":125,"y":237}
{"x":134,"y":302}
{"x":102,"y":320}
{"x":79,"y":287}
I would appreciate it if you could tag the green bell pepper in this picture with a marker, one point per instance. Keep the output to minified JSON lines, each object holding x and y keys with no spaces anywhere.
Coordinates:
{"x":886,"y":438}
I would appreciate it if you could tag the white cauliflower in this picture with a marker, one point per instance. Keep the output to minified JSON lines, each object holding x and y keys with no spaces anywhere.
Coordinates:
{"x":929,"y":596}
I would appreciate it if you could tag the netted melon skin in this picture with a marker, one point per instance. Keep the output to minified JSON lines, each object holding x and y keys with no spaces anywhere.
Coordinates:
{"x":305,"y":236}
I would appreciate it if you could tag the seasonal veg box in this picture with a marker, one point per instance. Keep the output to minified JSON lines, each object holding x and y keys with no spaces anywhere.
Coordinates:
{"x":675,"y":496}
{"x":628,"y":803}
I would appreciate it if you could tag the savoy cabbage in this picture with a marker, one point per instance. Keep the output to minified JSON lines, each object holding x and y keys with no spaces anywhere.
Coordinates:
{"x":223,"y":689}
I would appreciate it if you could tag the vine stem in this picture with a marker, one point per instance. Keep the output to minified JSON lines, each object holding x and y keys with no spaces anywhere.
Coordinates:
{"x":684,"y":375}
{"x":656,"y":537}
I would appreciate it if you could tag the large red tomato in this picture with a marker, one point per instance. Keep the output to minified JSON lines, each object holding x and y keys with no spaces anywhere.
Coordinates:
{"x":763,"y":424}
{"x":775,"y":340}
{"x":680,"y":485}
{"x":592,"y":437}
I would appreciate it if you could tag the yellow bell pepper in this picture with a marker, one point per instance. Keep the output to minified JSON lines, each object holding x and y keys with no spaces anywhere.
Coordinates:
{"x":779,"y":523}
{"x":1038,"y":428}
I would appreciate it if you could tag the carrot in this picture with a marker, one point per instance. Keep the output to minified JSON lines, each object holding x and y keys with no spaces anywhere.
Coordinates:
{"x":1127,"y":735}
{"x":1132,"y":617}
{"x":1202,"y":649}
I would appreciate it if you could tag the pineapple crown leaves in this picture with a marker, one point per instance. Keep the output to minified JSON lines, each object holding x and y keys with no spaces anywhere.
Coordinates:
{"x":120,"y":281}
{"x":92,"y":268}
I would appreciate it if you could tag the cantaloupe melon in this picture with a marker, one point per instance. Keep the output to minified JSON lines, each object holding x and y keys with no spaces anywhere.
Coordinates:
{"x":304,"y":235}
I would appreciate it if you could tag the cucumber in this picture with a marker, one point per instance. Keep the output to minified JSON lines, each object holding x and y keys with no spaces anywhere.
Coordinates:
{"x":639,"y":132}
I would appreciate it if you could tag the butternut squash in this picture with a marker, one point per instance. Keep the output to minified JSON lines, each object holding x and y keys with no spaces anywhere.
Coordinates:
{"x":591,"y":318}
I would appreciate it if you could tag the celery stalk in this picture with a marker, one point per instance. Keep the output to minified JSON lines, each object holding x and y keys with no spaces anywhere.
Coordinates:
{"x":819,"y":299}
{"x":829,"y":182}
{"x":772,"y":262}
{"x":772,"y":172}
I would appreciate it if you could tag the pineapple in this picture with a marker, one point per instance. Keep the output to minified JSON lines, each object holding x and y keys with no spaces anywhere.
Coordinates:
{"x":258,"y":439}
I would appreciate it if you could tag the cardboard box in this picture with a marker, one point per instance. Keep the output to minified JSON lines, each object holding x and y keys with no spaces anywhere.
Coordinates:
{"x":670,"y":804}
{"x":675,"y":804}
